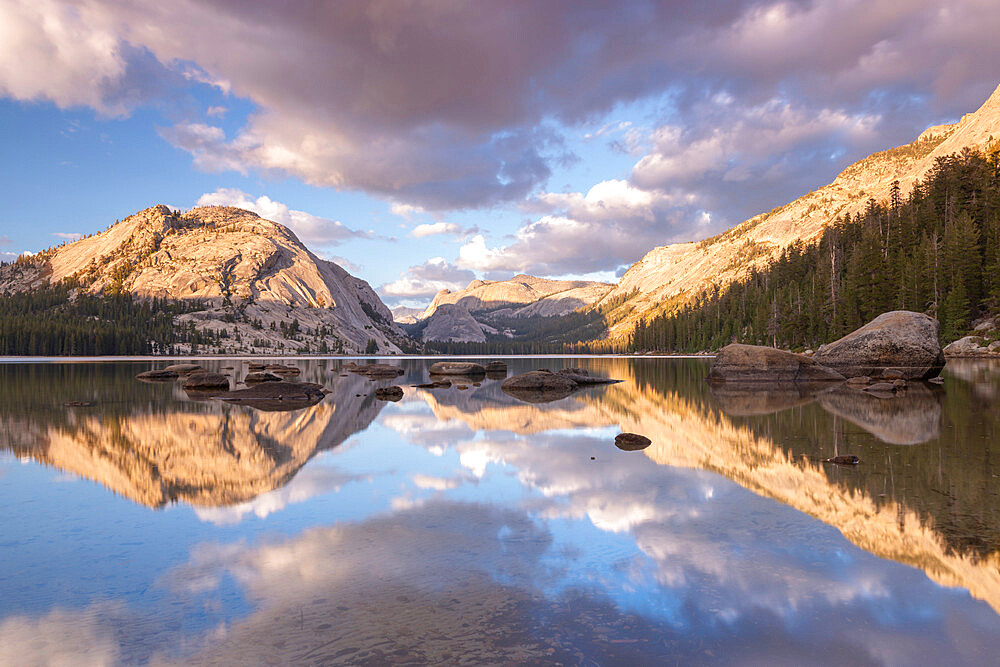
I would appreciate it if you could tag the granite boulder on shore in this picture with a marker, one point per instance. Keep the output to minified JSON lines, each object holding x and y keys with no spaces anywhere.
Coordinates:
{"x":900,"y":339}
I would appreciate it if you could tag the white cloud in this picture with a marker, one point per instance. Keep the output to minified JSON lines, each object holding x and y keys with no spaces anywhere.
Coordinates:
{"x":216,"y":111}
{"x":71,"y":236}
{"x":427,"y":279}
{"x":310,"y":229}
{"x":405,"y":211}
{"x":433,"y":229}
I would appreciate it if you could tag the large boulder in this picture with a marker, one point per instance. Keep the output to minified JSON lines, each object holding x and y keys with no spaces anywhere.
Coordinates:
{"x":540,"y":386}
{"x":456,"y":368}
{"x":755,"y":363}
{"x":970,"y":346}
{"x":204,"y":381}
{"x":900,"y":339}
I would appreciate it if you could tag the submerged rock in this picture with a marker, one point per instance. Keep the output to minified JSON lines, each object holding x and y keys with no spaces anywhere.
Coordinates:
{"x":900,"y":340}
{"x":375,"y":370}
{"x":756,"y":363}
{"x":583,"y":377}
{"x":277,"y":396}
{"x":456,"y":368}
{"x":158,"y":374}
{"x":184,"y":369}
{"x":205,"y":380}
{"x":496,"y":367}
{"x":632,"y":442}
{"x":849,"y":460}
{"x":392,"y":393}
{"x":261,"y":376}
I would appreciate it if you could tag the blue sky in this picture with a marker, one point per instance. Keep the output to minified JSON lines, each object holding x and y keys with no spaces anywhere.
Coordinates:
{"x":421,"y":145}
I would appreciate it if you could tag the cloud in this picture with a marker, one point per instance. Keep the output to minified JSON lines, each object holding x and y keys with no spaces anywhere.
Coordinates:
{"x":613,"y":224}
{"x":216,"y":111}
{"x":456,"y":105}
{"x":70,"y":236}
{"x":6,"y":242}
{"x":433,"y":229}
{"x":405,"y":211}
{"x":427,"y":279}
{"x":310,"y":229}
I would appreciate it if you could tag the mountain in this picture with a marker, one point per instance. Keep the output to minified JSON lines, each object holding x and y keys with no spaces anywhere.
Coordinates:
{"x":405,"y":314}
{"x":452,"y":323}
{"x":251,"y":284}
{"x":522,"y":296}
{"x":669,"y":276}
{"x":486,"y":306}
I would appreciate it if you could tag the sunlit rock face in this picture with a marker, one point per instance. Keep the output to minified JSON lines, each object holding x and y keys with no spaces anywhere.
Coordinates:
{"x":670,"y":274}
{"x":201,"y":453}
{"x":227,"y":257}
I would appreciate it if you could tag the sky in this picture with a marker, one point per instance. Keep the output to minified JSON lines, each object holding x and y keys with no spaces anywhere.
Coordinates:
{"x":423,"y":144}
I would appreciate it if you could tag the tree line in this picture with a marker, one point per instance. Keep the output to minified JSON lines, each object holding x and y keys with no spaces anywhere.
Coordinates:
{"x":58,"y":320}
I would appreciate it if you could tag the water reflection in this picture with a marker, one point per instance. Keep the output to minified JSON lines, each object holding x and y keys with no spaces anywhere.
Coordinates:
{"x":160,"y":450}
{"x":507,"y":531}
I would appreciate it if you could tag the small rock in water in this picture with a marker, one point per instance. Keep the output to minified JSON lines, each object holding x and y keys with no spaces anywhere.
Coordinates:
{"x":392,"y":393}
{"x":936,"y":380}
{"x":850,"y":460}
{"x":631,"y":442}
{"x":78,"y":404}
{"x":859,"y":380}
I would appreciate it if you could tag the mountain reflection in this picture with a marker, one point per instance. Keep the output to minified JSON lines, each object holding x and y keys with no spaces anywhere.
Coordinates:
{"x":934,"y":507}
{"x":146,"y":443}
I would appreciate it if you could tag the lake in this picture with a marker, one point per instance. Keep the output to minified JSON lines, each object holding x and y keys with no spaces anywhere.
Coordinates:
{"x":468,"y":526}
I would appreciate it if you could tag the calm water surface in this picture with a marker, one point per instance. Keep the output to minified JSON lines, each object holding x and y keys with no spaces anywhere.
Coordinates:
{"x":470,"y":526}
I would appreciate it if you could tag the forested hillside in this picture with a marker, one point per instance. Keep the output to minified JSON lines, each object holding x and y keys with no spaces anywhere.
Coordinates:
{"x":935,"y":251}
{"x":58,"y":320}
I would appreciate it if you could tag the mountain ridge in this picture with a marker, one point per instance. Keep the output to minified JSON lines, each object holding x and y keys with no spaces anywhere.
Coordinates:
{"x":667,"y":277}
